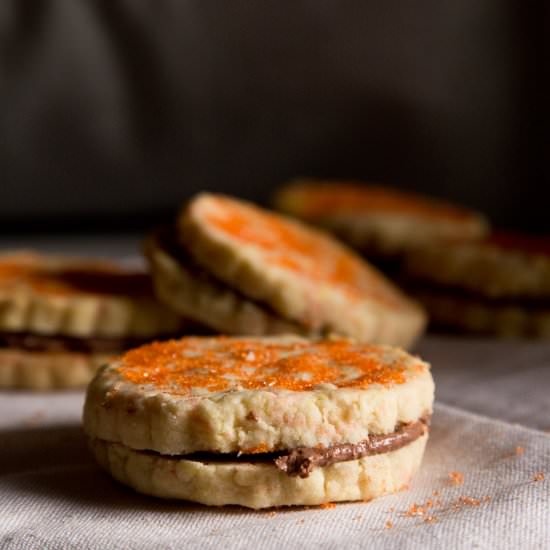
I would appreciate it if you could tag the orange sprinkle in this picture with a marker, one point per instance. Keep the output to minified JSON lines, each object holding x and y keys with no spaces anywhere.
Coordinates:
{"x":327,"y":505}
{"x":415,"y":510}
{"x":519,"y":451}
{"x":539,"y":476}
{"x":389,"y":524}
{"x":219,"y":364}
{"x":456,"y":478}
{"x":430,"y":519}
{"x":297,"y":248}
{"x":469,"y":501}
{"x":262,"y":448}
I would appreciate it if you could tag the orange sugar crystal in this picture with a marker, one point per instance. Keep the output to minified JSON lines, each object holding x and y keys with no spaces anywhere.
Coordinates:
{"x":300,"y":249}
{"x":456,"y":478}
{"x":219,"y":364}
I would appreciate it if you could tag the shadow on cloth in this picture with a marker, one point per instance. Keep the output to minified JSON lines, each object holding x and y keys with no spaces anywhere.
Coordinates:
{"x":54,"y":463}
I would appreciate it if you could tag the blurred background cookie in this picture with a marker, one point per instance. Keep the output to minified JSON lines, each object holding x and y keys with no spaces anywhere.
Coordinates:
{"x":499,"y":285}
{"x":381,"y":222}
{"x":243,"y":270}
{"x":61,"y":317}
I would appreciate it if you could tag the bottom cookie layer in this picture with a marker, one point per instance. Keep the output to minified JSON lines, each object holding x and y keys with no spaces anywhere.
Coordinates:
{"x":469,"y":314}
{"x":259,"y":485}
{"x":47,"y":370}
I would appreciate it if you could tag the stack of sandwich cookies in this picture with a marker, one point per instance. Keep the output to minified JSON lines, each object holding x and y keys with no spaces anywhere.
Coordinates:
{"x":498,"y":285}
{"x":261,"y":422}
{"x":381,"y":222}
{"x":244,"y":270}
{"x":60,"y":318}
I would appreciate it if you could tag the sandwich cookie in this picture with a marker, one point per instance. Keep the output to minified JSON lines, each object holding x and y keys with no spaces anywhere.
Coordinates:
{"x":261,"y":422}
{"x":381,"y":222}
{"x":243,"y":270}
{"x":500,"y":285}
{"x":60,"y":318}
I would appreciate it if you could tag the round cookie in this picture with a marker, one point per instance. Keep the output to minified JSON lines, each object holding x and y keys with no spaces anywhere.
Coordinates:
{"x":194,"y":293}
{"x":378,"y":220}
{"x":303,"y":275}
{"x":36,"y":370}
{"x":499,"y":285}
{"x":259,"y":421}
{"x":504,"y":265}
{"x":43,"y":294}
{"x":60,"y":317}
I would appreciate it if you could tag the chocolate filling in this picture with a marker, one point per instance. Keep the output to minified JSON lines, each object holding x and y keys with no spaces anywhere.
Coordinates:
{"x":60,"y":343}
{"x":303,"y":460}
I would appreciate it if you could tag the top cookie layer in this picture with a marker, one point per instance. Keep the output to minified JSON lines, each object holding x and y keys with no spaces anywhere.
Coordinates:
{"x":75,"y":297}
{"x":301,"y":273}
{"x":229,"y":394}
{"x":378,"y":217}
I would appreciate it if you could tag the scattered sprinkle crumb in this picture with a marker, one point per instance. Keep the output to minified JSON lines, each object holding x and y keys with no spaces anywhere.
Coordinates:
{"x":415,"y":510}
{"x":327,"y":505}
{"x":469,"y":501}
{"x":430,"y":519}
{"x":389,"y":524}
{"x":456,"y":478}
{"x":435,"y":493}
{"x":539,"y":476}
{"x":519,"y":450}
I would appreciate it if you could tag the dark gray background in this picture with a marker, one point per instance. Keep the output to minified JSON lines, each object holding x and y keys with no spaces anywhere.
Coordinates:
{"x":112,"y":112}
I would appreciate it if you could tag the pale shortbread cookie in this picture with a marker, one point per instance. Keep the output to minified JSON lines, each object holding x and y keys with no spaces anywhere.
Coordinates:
{"x":298,"y":272}
{"x":504,"y":265}
{"x":196,"y":295}
{"x":241,"y":395}
{"x":46,"y":294}
{"x":146,"y":413}
{"x":378,"y":220}
{"x":35,"y":370}
{"x":474,"y":314}
{"x":258,"y":485}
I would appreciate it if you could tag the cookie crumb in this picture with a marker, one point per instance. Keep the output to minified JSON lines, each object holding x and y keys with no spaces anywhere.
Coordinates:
{"x":327,"y":505}
{"x":389,"y":524}
{"x":435,"y":493}
{"x":539,"y":476}
{"x":415,"y":510}
{"x":456,"y":478}
{"x":430,"y":519}
{"x":469,"y":501}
